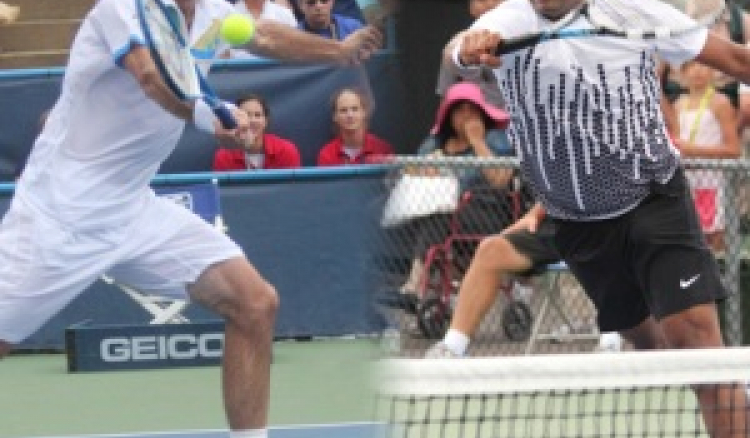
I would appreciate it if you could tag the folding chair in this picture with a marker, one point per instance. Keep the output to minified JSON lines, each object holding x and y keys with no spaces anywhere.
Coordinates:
{"x":202,"y":199}
{"x":551,"y":301}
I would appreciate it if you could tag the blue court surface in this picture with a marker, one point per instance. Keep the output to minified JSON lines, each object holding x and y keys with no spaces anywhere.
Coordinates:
{"x":344,"y":430}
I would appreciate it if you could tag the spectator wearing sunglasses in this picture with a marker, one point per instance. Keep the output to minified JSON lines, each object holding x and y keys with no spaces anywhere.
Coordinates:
{"x":318,"y":17}
{"x":347,"y":8}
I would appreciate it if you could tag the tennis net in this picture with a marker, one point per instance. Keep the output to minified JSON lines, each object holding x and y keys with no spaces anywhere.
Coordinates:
{"x":630,"y":394}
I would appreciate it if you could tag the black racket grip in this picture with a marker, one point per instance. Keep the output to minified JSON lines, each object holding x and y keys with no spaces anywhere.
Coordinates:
{"x":513,"y":44}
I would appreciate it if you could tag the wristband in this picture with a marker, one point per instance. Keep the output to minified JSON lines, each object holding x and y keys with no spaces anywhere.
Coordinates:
{"x":203,"y":117}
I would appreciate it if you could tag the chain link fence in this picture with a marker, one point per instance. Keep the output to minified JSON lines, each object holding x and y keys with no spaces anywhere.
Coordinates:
{"x":437,"y":212}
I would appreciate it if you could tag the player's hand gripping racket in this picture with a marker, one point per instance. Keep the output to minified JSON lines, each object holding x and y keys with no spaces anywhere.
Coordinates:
{"x":165,"y":31}
{"x":621,"y":18}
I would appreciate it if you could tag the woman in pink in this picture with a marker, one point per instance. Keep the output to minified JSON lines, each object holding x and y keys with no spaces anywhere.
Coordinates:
{"x":353,"y":143}
{"x":708,"y":129}
{"x":259,"y":149}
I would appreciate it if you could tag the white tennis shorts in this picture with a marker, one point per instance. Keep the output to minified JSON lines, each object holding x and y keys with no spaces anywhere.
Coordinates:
{"x":45,"y":264}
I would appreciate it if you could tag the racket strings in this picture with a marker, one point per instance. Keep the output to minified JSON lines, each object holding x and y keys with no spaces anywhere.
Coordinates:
{"x":621,"y":15}
{"x":168,"y":40}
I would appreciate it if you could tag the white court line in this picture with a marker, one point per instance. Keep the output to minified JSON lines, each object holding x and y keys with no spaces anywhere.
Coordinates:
{"x":216,"y":431}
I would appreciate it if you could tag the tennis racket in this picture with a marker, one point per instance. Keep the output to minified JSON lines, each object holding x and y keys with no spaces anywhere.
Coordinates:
{"x":621,"y":18}
{"x":165,"y":31}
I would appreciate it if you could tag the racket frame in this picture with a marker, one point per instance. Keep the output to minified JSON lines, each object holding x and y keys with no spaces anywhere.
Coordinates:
{"x":223,"y":113}
{"x":559,"y":32}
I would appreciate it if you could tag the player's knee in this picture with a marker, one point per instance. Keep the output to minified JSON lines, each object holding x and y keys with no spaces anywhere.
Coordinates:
{"x":697,"y":327}
{"x":492,"y":248}
{"x":269,"y":300}
{"x":647,"y":335}
{"x":258,"y":303}
{"x":646,"y":340}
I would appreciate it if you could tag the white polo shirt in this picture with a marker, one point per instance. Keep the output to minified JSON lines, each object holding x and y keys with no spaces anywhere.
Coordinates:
{"x":105,"y":139}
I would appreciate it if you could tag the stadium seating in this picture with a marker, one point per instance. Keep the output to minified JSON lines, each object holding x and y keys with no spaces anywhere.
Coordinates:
{"x":43,"y":33}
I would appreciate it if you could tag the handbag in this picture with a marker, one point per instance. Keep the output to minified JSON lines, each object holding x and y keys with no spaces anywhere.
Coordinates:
{"x":416,"y":196}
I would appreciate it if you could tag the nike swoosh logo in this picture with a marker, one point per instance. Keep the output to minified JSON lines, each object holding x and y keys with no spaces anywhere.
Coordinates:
{"x":684,"y":284}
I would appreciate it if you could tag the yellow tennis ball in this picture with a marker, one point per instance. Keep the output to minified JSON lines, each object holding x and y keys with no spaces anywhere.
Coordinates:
{"x":237,"y":29}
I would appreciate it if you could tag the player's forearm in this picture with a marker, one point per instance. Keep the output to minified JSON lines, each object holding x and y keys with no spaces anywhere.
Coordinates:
{"x":728,"y":57}
{"x":157,"y":90}
{"x":279,"y":41}
{"x":689,"y":150}
{"x":139,"y":63}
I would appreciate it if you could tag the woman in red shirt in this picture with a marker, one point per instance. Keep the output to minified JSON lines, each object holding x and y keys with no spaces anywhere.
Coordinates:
{"x":259,"y":149}
{"x":353,"y":143}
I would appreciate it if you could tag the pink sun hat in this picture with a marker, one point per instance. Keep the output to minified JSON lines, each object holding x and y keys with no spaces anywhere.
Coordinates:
{"x":468,"y":91}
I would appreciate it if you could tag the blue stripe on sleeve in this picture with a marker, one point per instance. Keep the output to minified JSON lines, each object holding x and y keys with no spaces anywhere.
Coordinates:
{"x":124,"y":50}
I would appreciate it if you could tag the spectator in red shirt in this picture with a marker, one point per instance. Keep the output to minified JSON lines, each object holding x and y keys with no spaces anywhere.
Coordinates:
{"x":353,"y":143}
{"x":259,"y":149}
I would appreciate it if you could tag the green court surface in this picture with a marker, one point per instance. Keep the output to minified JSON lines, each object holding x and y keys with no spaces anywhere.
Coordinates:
{"x":314,"y":382}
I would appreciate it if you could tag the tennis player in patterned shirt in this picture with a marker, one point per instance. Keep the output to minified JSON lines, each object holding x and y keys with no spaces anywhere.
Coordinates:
{"x":586,"y":123}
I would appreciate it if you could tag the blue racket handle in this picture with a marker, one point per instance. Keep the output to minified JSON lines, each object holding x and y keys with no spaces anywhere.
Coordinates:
{"x":223,"y":113}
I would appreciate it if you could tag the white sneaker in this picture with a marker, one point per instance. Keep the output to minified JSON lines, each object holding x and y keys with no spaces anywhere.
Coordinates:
{"x":440,"y":351}
{"x":609,"y":343}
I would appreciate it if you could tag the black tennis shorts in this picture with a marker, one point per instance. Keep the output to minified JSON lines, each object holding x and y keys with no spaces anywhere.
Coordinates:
{"x":538,"y":246}
{"x":653,"y":260}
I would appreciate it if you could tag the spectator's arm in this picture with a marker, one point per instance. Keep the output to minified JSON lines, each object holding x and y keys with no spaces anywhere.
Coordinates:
{"x":326,"y":157}
{"x":478,"y":138}
{"x":290,"y":159}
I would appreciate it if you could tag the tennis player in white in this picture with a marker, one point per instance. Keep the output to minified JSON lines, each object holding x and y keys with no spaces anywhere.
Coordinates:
{"x":83,"y":205}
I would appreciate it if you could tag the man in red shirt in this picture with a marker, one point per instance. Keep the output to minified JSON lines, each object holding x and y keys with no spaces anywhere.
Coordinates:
{"x":354,"y":144}
{"x":259,"y":149}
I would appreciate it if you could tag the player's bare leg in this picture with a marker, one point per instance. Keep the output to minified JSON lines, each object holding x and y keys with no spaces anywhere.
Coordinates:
{"x":235,"y":290}
{"x":494,"y":258}
{"x":4,"y":349}
{"x":647,"y":335}
{"x":724,"y":407}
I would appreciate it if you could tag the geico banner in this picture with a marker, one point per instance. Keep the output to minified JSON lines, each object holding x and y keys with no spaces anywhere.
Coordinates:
{"x":118,"y":347}
{"x":145,"y":348}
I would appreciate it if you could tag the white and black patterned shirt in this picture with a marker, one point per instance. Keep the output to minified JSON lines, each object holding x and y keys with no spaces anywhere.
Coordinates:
{"x":585,"y":114}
